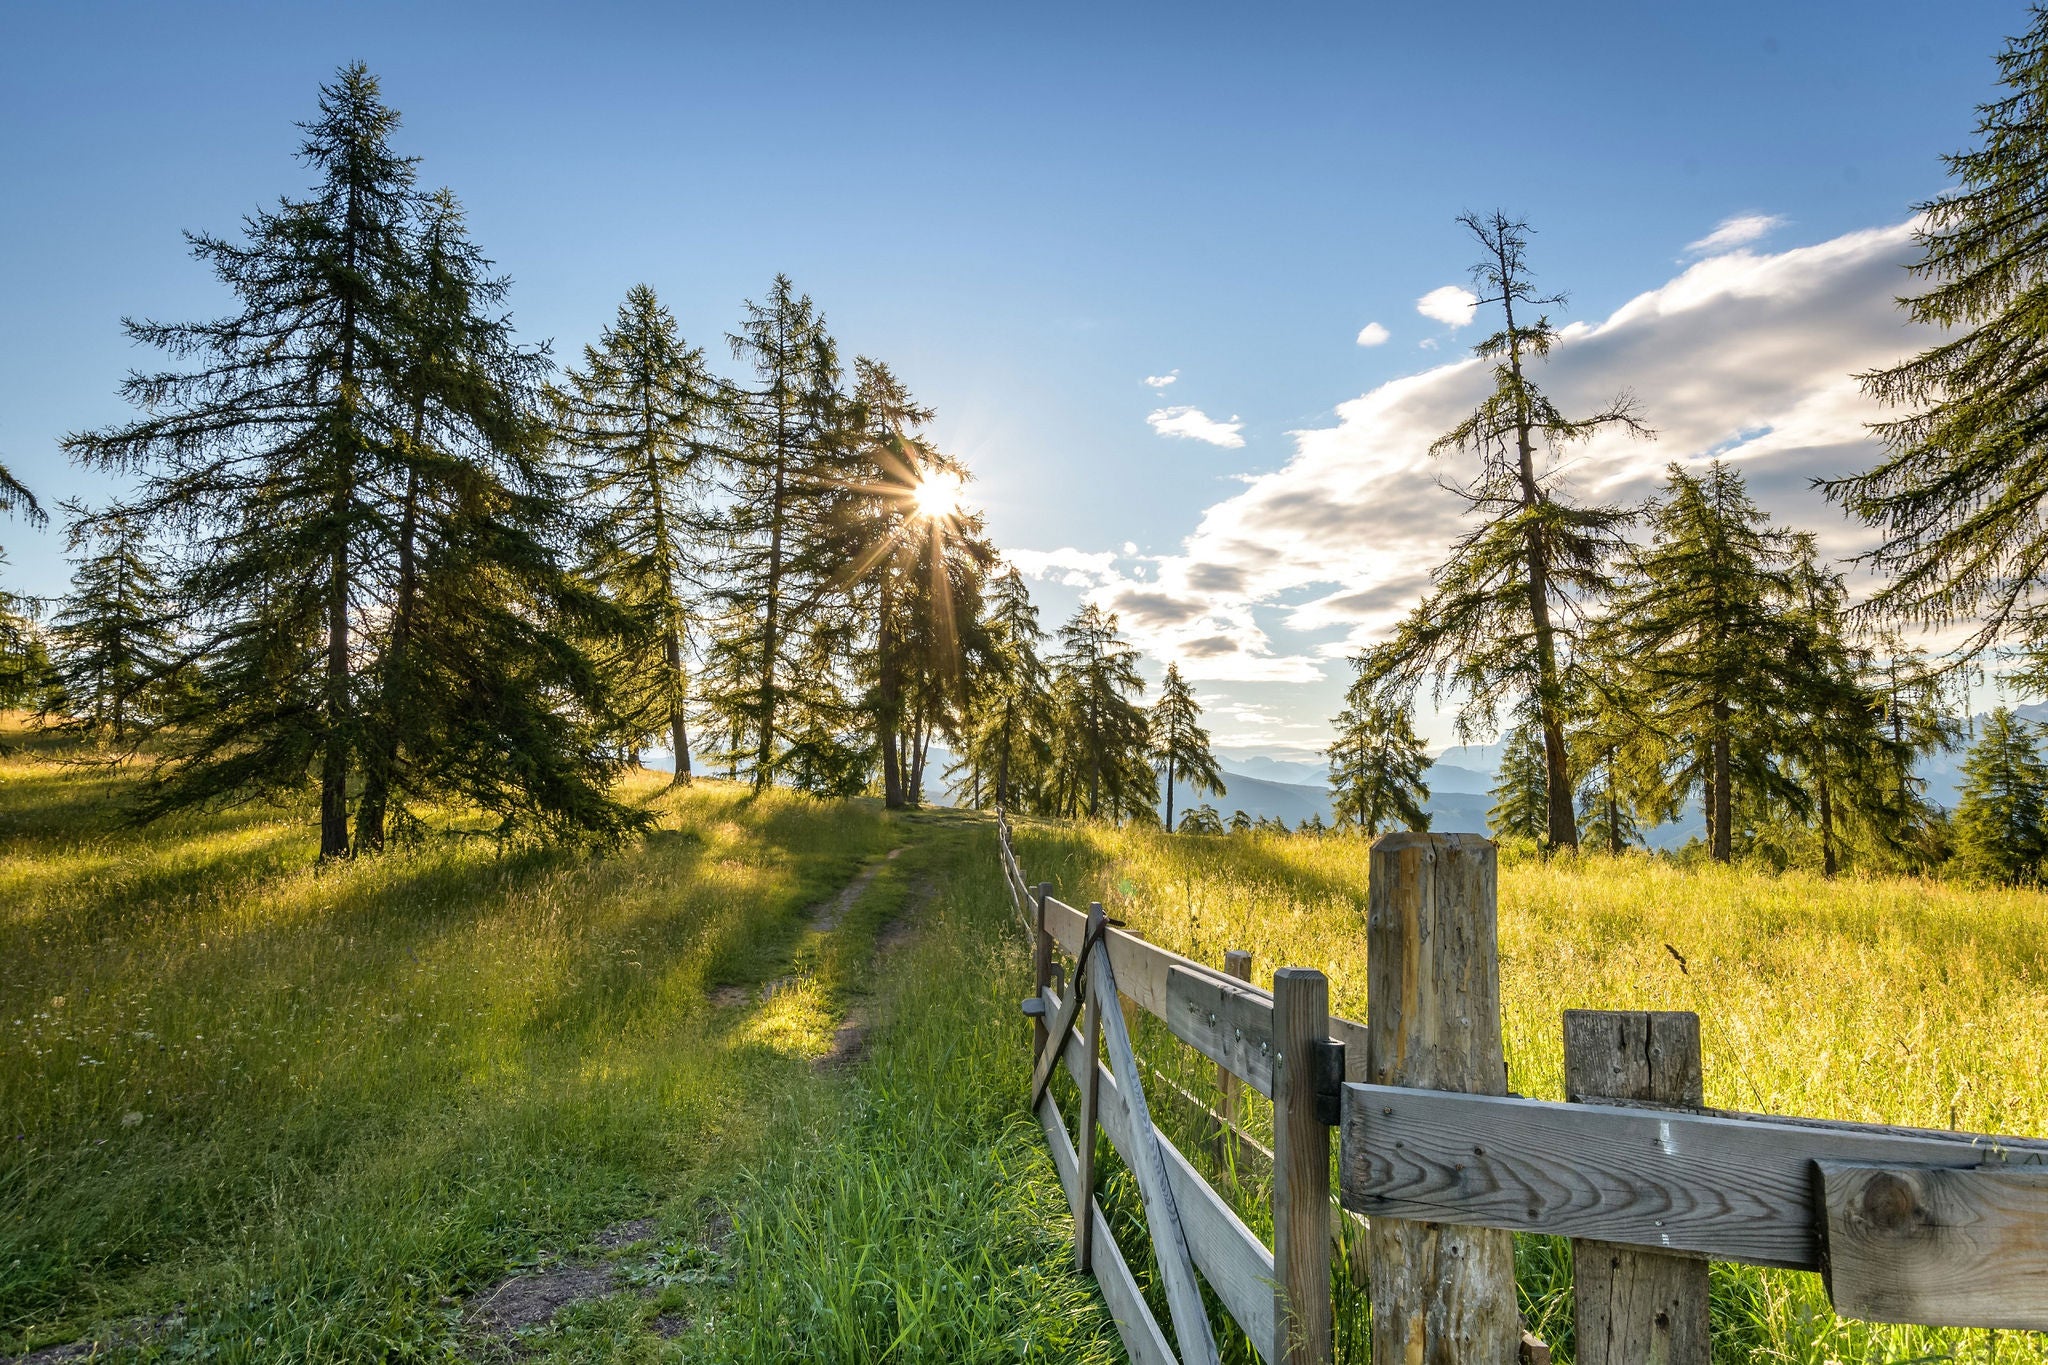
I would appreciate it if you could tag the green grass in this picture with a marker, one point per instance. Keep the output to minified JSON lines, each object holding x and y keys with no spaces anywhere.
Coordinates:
{"x":1892,"y":1001}
{"x":312,"y":1110}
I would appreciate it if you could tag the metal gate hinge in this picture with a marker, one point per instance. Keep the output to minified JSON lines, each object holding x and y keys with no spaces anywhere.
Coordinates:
{"x":1326,"y":1068}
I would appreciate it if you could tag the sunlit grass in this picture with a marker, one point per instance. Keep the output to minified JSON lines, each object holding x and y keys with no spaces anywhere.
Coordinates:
{"x":1892,"y":1001}
{"x":334,"y":1099}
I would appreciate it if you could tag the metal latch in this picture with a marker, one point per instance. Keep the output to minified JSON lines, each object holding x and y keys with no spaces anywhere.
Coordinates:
{"x":1326,"y":1070}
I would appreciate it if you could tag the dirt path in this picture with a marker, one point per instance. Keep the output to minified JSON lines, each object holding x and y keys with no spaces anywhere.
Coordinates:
{"x":534,"y":1298}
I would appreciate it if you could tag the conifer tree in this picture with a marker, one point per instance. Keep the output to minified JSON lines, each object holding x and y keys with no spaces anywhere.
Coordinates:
{"x":1376,"y":766}
{"x":1521,"y":789}
{"x":263,"y":459}
{"x":479,"y":690}
{"x":1180,"y":746}
{"x":1203,"y":819}
{"x":1240,"y":823}
{"x":2001,"y":824}
{"x":115,"y":633}
{"x":1008,"y":748}
{"x":352,"y":478}
{"x":1500,"y":626}
{"x":1702,"y":621}
{"x":789,"y":481}
{"x":641,"y":422}
{"x":23,"y":660}
{"x":1959,"y":491}
{"x":919,"y":562}
{"x":1101,"y":732}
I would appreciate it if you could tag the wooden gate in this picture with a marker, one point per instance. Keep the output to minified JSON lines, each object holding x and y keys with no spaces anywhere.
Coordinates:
{"x":1443,"y":1166}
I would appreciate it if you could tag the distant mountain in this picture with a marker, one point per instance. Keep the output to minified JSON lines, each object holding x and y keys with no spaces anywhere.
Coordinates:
{"x":1303,"y":772}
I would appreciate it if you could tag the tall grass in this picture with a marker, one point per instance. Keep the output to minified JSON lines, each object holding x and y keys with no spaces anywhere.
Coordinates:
{"x":1894,"y":1001}
{"x":317,"y":1106}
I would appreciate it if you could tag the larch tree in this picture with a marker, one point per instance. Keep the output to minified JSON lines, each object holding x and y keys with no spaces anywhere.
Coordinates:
{"x":264,"y":461}
{"x":918,"y":561}
{"x":23,"y":660}
{"x":1008,"y":742}
{"x":1102,"y":732}
{"x":2001,"y":822}
{"x":641,"y":422}
{"x":780,"y":576}
{"x":1203,"y":819}
{"x":1958,"y":496}
{"x":1502,"y":619}
{"x":1179,"y":745}
{"x":1702,"y":622}
{"x":1377,"y":766}
{"x":479,"y":689}
{"x":1521,"y":789}
{"x":115,"y":632}
{"x":351,"y":478}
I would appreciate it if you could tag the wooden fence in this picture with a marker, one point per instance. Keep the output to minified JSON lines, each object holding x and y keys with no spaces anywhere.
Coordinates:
{"x":1438,"y":1166}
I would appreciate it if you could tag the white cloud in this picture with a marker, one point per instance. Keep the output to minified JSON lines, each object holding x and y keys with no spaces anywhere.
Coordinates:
{"x":1740,"y":230}
{"x":1196,"y":425}
{"x":1066,"y":565}
{"x":1426,"y":344}
{"x":1450,"y":304}
{"x":1372,"y":334}
{"x":1160,"y":381}
{"x":1743,"y":355}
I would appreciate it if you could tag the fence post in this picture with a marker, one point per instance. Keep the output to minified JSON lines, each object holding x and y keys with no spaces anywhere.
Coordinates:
{"x":1301,"y":1172}
{"x":1041,"y":969}
{"x":1091,"y":1033}
{"x":1632,"y":1305}
{"x":1236,"y":963}
{"x":1441,"y":1294}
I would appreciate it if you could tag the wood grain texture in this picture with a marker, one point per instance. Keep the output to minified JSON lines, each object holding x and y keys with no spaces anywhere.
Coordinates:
{"x":1301,"y":1172}
{"x":1041,"y":962}
{"x":1229,"y":1024}
{"x":1091,"y":1093}
{"x":1237,"y":1266}
{"x":1237,"y":965}
{"x":1142,"y":970}
{"x":1441,"y":1294}
{"x":1191,"y":1330}
{"x":1939,"y":1246}
{"x":1143,"y":1342}
{"x":1734,"y":1189}
{"x":1631,"y":1306}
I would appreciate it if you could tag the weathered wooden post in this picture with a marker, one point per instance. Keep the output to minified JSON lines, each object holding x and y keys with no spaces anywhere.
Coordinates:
{"x":1091,"y":1034}
{"x":1632,"y":1305}
{"x":1301,"y":1171}
{"x":1236,"y":963}
{"x":1041,"y":967}
{"x":1441,"y":1294}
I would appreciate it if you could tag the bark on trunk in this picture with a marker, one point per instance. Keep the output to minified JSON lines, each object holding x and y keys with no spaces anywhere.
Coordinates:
{"x":1724,"y":843}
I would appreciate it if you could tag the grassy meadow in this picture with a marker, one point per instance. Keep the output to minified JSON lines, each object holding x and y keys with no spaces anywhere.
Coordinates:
{"x":1894,"y":1001}
{"x":256,"y":1110}
{"x":268,"y":1111}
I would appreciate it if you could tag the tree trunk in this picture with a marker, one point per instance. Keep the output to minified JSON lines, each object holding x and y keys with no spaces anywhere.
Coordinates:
{"x":334,"y":748}
{"x":1169,"y":788}
{"x":1613,"y":811}
{"x":678,"y":720}
{"x":381,"y":754}
{"x":1724,"y":805}
{"x":771,"y":615}
{"x":888,"y":699}
{"x":1827,"y":826}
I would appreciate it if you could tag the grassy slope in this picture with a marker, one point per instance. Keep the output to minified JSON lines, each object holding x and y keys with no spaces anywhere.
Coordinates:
{"x":315,"y":1109}
{"x":1886,"y":1001}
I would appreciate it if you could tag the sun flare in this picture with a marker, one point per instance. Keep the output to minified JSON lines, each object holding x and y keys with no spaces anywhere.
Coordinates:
{"x":938,"y":495}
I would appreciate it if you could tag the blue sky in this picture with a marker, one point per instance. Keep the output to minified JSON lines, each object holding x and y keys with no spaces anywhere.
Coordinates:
{"x":1028,"y":211}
